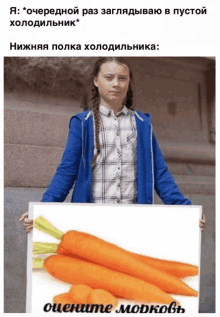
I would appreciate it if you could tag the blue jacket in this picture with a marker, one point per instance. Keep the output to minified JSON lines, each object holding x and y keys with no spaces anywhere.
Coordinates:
{"x":75,"y":166}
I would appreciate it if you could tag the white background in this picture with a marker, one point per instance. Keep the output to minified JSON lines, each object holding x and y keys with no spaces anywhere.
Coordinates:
{"x":165,"y":232}
{"x":189,"y":35}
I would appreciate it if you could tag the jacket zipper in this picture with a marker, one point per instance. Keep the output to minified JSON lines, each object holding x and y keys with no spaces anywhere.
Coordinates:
{"x":83,"y":148}
{"x":152,"y":162}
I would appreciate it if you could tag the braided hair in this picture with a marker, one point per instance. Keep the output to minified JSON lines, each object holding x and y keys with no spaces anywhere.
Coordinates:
{"x":96,"y":98}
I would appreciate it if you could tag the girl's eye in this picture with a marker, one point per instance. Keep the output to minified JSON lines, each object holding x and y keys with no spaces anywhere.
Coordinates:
{"x":121,"y":78}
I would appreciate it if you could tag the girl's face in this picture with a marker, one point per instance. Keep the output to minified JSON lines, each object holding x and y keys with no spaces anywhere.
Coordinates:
{"x":112,"y":82}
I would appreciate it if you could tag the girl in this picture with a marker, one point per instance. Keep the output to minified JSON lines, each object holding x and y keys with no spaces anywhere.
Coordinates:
{"x":112,"y":155}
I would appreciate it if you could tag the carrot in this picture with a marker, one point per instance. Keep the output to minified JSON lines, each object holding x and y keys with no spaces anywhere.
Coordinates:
{"x":75,"y":271}
{"x":60,"y":250}
{"x":98,"y":251}
{"x":178,"y":269}
{"x":100,"y":296}
{"x":83,"y":294}
{"x":63,"y":299}
{"x":175,"y":268}
{"x":79,"y":293}
{"x":111,"y":256}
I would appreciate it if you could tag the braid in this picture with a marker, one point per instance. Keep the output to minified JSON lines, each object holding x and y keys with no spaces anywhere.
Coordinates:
{"x":95,"y":107}
{"x":130,"y":97}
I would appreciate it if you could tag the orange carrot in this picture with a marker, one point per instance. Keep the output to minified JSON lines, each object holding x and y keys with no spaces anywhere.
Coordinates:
{"x":175,"y":268}
{"x":63,"y":299}
{"x":79,"y":293}
{"x":178,"y":269}
{"x":100,"y":296}
{"x":62,"y":251}
{"x":75,"y":271}
{"x":98,"y":251}
{"x":83,"y":294}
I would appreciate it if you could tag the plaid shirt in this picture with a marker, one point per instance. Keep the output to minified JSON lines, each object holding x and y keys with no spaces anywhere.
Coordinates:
{"x":114,"y":175}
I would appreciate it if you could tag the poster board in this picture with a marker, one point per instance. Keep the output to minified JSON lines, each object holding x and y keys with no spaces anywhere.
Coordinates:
{"x":159,"y":231}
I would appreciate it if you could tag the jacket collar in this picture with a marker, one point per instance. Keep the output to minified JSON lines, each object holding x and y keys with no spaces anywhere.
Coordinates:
{"x":142,"y":116}
{"x":85,"y":115}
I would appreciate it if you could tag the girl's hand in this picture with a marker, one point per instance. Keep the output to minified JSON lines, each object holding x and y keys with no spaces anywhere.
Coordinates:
{"x":202,"y":222}
{"x":28,"y":223}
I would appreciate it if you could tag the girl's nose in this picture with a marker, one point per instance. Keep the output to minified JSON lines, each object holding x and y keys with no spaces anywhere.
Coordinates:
{"x":116,"y":82}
